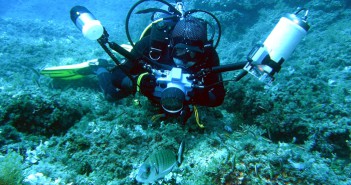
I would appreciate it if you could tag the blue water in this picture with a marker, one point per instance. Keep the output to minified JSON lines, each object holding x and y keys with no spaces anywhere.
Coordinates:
{"x":110,"y":12}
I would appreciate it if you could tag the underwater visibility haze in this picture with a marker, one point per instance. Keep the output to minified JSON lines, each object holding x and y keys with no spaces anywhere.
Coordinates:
{"x":63,"y":131}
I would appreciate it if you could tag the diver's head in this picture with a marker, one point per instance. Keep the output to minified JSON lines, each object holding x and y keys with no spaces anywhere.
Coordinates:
{"x":188,"y":39}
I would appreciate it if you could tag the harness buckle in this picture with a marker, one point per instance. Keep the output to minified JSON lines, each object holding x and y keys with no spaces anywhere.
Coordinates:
{"x":155,"y":54}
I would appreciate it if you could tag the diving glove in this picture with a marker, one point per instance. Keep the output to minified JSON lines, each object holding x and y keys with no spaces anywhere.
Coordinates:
{"x":146,"y":84}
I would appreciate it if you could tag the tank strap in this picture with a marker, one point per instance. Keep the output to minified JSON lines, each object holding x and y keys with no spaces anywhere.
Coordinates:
{"x":160,"y":40}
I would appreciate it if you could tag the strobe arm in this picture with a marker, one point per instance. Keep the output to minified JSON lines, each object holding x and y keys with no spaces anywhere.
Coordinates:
{"x":119,"y":49}
{"x":228,"y":67}
{"x":220,"y":69}
{"x":231,"y":67}
{"x":103,"y":41}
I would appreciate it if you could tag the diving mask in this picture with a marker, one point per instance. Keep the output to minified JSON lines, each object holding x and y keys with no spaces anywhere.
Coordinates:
{"x":186,"y":55}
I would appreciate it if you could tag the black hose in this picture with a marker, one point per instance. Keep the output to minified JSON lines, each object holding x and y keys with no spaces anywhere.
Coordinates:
{"x":137,"y":4}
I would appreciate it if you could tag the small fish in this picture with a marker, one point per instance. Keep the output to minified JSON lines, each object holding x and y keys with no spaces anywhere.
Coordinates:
{"x":159,"y":164}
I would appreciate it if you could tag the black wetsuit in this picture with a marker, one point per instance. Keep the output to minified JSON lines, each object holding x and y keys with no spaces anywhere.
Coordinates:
{"x":211,"y":97}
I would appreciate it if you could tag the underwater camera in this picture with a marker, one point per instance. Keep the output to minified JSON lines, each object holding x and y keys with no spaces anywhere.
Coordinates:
{"x":266,"y":59}
{"x":172,"y":88}
{"x":86,"y":22}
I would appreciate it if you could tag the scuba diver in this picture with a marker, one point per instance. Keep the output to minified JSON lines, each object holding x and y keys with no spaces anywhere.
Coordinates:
{"x":175,"y":63}
{"x":187,"y":50}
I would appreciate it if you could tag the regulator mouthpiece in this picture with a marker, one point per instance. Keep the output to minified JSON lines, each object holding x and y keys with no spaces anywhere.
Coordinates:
{"x":86,"y":22}
{"x":266,"y":59}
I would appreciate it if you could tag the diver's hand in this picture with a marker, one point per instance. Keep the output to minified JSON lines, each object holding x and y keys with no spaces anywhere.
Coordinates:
{"x":146,"y":84}
{"x":204,"y":97}
{"x":185,"y":114}
{"x":197,"y":92}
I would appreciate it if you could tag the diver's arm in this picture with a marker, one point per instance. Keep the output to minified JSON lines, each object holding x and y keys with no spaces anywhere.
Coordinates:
{"x":108,"y":80}
{"x":213,"y":93}
{"x":210,"y":96}
{"x":118,"y":83}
